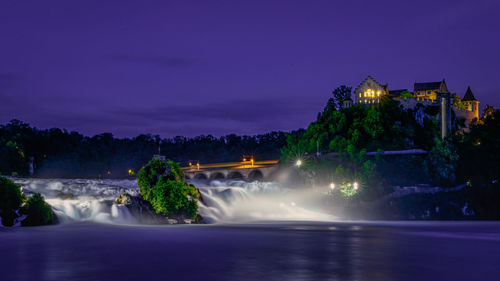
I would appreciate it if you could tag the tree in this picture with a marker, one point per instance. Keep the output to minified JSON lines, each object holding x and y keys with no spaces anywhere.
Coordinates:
{"x":37,"y":212}
{"x":488,"y":110}
{"x":405,"y":95}
{"x":340,"y":94}
{"x":11,"y":198}
{"x":443,"y":161}
{"x":164,"y":186}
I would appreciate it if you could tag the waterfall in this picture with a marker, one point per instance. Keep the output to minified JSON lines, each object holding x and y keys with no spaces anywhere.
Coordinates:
{"x":75,"y":200}
{"x":239,"y":202}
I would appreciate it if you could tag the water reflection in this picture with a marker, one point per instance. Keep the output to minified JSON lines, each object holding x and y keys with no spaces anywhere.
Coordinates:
{"x":282,"y":251}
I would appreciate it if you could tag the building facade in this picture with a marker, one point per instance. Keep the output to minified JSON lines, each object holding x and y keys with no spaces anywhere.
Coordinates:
{"x":371,"y":92}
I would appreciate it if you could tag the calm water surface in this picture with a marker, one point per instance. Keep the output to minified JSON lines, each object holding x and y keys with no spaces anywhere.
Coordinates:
{"x":277,"y":251}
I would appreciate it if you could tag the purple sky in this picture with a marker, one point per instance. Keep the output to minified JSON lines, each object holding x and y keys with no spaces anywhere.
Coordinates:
{"x":219,"y":67}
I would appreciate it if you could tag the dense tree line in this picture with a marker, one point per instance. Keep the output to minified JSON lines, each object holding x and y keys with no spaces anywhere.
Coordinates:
{"x":59,"y":153}
{"x":466,"y":155}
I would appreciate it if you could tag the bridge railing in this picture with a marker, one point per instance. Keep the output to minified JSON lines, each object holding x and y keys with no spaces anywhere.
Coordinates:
{"x":240,"y":165}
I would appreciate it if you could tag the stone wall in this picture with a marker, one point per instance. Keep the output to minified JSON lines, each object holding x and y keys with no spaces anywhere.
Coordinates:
{"x":464,"y":114}
{"x":411,"y":102}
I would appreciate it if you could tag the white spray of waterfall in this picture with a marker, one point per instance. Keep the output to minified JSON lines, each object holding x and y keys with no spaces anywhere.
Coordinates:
{"x":238,"y":201}
{"x":225,"y":202}
{"x":76,"y":200}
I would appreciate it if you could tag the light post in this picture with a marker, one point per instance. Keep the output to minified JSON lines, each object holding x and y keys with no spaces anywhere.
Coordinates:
{"x":332,"y":187}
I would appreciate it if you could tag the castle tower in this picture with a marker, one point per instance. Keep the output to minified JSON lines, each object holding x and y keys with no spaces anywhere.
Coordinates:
{"x":470,"y":102}
{"x":347,"y":102}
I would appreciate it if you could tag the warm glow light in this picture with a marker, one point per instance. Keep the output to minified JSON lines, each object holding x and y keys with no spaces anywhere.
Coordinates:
{"x":355,"y":185}
{"x":332,"y":186}
{"x":298,"y":163}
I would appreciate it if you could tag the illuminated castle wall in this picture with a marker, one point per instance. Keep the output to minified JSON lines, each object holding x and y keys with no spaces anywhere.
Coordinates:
{"x":370,"y":92}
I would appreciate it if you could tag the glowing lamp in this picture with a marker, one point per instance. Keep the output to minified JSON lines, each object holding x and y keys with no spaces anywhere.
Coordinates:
{"x":355,"y":185}
{"x":298,"y":163}
{"x":332,"y":186}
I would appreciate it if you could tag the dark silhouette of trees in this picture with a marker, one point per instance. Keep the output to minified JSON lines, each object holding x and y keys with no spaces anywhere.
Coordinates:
{"x":59,"y":153}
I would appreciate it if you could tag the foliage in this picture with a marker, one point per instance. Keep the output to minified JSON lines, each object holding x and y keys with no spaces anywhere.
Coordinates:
{"x":11,"y":198}
{"x":59,"y":153}
{"x":488,"y":110}
{"x":175,"y":197}
{"x":38,"y":212}
{"x":164,"y":186}
{"x":340,"y":94}
{"x":350,"y":133}
{"x":442,"y":161}
{"x":148,"y":176}
{"x":479,"y":151}
{"x":405,"y":95}
{"x":383,"y":126}
{"x":347,"y":189}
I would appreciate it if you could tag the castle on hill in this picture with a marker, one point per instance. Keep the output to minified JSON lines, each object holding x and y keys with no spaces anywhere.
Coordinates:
{"x":427,"y":94}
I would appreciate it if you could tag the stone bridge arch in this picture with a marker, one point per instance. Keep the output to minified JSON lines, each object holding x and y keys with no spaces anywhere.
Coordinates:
{"x":235,"y":175}
{"x":200,"y":176}
{"x":255,"y":174}
{"x":217,"y":176}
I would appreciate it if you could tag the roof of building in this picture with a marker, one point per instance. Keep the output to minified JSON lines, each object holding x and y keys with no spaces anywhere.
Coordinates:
{"x":427,"y":86}
{"x":368,"y":78}
{"x":468,"y":95}
{"x":348,"y":99}
{"x":397,"y":93}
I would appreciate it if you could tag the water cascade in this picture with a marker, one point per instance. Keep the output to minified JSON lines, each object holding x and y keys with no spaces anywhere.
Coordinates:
{"x":84,"y":200}
{"x":222,"y":202}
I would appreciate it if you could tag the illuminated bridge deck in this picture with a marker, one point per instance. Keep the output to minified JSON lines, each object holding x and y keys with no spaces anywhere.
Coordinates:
{"x":234,"y":170}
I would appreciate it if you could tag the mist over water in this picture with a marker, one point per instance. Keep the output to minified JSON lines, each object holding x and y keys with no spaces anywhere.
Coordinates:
{"x":222,"y":201}
{"x":239,"y":201}
{"x":84,"y":199}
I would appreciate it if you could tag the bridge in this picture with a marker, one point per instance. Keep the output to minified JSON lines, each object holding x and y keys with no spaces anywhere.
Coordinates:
{"x":248,"y":169}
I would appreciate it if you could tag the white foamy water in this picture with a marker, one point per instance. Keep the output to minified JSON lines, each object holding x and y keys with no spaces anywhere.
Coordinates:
{"x":223,"y":202}
{"x":239,"y":201}
{"x":83,"y":199}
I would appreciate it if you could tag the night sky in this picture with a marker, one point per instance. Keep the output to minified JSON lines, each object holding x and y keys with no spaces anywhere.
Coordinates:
{"x":218,"y":67}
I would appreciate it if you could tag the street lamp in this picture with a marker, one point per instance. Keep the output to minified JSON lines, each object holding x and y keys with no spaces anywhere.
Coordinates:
{"x":332,"y":186}
{"x":355,"y":185}
{"x":298,"y":163}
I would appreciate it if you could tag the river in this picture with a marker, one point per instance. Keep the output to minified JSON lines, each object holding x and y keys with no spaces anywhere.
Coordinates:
{"x":97,"y":241}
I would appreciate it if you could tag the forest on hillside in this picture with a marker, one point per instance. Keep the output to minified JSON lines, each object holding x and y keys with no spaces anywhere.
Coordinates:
{"x":59,"y":153}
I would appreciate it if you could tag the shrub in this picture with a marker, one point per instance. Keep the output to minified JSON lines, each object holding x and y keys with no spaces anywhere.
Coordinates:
{"x":11,"y":198}
{"x":442,"y":161}
{"x":148,"y":176}
{"x":38,"y":212}
{"x":169,"y":194}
